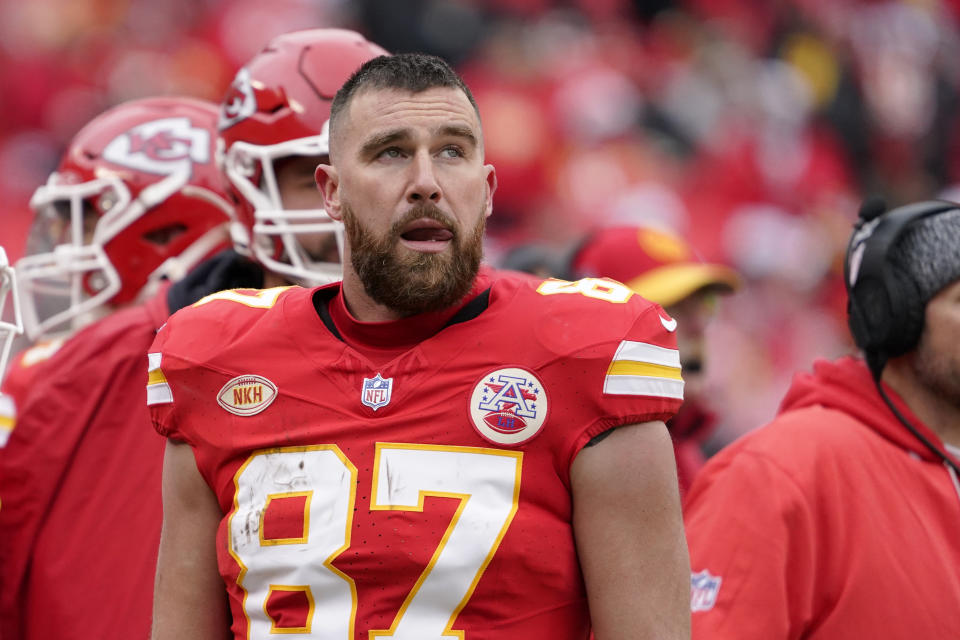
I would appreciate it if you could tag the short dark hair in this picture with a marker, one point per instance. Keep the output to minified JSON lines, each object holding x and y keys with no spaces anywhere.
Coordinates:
{"x":413,"y":72}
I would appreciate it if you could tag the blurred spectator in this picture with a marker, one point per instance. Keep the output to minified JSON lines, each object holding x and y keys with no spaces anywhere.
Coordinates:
{"x":536,"y":259}
{"x":663,"y":268}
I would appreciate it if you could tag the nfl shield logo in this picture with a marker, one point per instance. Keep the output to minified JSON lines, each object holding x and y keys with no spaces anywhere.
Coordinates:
{"x":376,"y":391}
{"x":704,"y":589}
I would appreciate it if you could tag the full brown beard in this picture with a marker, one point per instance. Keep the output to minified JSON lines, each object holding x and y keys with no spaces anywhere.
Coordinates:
{"x":413,"y":282}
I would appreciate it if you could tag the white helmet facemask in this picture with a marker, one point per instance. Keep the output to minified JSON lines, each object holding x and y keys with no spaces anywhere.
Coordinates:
{"x":62,"y":252}
{"x":66,"y":248}
{"x":272,"y":221}
{"x":11,"y":321}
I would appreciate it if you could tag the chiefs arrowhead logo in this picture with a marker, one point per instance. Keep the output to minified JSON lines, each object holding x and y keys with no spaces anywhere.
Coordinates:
{"x":240,"y":103}
{"x":163,"y":147}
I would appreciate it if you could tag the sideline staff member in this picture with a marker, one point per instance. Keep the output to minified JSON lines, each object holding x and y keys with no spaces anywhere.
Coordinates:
{"x":839,"y":519}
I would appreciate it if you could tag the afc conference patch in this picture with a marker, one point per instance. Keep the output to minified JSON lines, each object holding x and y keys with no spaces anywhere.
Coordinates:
{"x":508,"y":406}
{"x":704,"y":589}
{"x":376,"y":391}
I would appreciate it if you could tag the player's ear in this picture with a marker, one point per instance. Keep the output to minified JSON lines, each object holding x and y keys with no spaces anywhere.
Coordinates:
{"x":491,"y":181}
{"x":328,"y":183}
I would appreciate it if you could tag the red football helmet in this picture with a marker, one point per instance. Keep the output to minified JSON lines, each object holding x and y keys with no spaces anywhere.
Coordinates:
{"x":11,"y":324}
{"x":278,"y":107}
{"x":137,"y":197}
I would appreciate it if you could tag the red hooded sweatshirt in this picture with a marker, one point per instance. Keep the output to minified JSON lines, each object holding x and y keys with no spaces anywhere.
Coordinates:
{"x":831,"y":522}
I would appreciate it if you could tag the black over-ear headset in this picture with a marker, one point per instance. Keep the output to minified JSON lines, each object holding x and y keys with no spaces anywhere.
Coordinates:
{"x":884,"y":305}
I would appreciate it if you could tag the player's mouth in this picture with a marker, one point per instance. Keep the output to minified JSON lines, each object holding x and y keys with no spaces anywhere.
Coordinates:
{"x":426,"y":235}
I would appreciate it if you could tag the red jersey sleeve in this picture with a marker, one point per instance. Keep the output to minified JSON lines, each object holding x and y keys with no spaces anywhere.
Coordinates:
{"x":22,"y":375}
{"x":159,"y":390}
{"x":178,"y":361}
{"x":625,"y":376}
{"x":751,"y":538}
{"x":79,"y":481}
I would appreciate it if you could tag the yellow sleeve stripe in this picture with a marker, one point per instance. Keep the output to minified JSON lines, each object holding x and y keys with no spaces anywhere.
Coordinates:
{"x":7,"y":423}
{"x":158,"y":390}
{"x":643,"y":369}
{"x":633,"y":368}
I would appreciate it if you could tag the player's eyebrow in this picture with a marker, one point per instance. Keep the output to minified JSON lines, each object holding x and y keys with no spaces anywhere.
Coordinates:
{"x":459,"y":131}
{"x":386,"y":138}
{"x":381,"y":140}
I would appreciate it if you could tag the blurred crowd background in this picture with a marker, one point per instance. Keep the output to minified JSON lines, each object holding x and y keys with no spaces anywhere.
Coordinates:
{"x":752,"y":127}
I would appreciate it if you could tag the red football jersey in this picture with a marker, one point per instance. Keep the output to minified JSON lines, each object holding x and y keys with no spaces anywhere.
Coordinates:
{"x":19,"y":379}
{"x":425,"y":497}
{"x":80,"y":489}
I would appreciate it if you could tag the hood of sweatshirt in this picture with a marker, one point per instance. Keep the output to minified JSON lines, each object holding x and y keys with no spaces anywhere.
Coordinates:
{"x":846,"y":385}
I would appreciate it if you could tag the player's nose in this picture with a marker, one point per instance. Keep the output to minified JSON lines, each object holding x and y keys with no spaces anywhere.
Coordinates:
{"x":423,"y":180}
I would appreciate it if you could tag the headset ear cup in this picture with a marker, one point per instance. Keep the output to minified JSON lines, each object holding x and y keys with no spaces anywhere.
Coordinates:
{"x":908,"y":313}
{"x":886,"y":308}
{"x":858,"y":324}
{"x":870,"y":315}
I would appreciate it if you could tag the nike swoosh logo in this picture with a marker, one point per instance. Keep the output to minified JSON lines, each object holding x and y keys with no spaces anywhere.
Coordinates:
{"x":670,"y":325}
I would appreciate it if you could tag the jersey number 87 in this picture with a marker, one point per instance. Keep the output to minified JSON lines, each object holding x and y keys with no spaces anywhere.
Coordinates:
{"x":323,"y":481}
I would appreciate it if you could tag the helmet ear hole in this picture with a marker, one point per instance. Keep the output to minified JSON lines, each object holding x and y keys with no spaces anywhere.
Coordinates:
{"x":165,"y":235}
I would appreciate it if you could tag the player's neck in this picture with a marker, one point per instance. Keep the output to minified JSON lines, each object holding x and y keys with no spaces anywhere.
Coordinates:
{"x":271,"y":280}
{"x":939,"y":413}
{"x":360,"y":305}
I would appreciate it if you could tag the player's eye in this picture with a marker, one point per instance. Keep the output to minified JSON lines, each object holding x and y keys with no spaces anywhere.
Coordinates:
{"x":452,"y":152}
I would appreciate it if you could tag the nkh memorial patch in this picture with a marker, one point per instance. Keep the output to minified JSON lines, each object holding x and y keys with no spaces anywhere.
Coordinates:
{"x":704,"y":589}
{"x":247,"y":395}
{"x":508,"y":406}
{"x":376,"y":391}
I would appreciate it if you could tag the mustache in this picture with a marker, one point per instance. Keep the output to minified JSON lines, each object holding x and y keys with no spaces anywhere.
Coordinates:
{"x":426,"y":210}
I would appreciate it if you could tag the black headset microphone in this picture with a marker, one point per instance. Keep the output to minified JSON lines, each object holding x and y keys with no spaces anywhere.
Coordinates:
{"x":884,"y":305}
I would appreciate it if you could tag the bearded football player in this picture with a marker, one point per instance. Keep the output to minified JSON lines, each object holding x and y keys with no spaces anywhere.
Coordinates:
{"x":424,"y":450}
